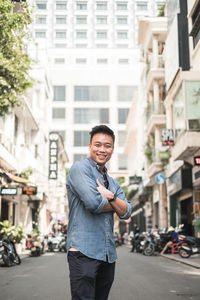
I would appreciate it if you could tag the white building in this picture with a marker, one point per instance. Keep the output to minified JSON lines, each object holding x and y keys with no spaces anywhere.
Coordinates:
{"x":93,"y":57}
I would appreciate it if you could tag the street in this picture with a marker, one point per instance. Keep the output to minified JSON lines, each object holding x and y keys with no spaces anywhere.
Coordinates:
{"x":137,"y":277}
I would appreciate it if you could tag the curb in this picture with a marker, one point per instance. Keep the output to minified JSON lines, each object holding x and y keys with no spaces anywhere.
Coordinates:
{"x":186,"y":261}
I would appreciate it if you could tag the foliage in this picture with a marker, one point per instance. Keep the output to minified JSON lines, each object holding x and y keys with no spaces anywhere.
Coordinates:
{"x":14,"y":233}
{"x":121,"y":180}
{"x":67,"y":172}
{"x":14,"y":61}
{"x":148,"y":152}
{"x":161,"y":11}
{"x":26,"y":173}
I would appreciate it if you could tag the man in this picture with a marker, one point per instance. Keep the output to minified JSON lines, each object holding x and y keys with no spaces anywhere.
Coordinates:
{"x":135,"y":236}
{"x":93,"y":199}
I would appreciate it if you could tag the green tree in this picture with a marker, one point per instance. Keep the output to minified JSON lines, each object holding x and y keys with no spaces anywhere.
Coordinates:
{"x":14,"y":61}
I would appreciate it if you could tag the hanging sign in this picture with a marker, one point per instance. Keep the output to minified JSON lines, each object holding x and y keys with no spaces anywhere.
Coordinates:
{"x":160,"y":178}
{"x":29,"y":190}
{"x":53,"y":155}
{"x":197,"y":160}
{"x":167,"y":137}
{"x":7,"y":191}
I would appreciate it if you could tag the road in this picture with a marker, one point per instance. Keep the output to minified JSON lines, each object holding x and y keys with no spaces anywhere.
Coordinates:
{"x":137,"y":278}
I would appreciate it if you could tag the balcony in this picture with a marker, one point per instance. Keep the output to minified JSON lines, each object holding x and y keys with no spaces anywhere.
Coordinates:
{"x":156,"y":161}
{"x":186,"y":145}
{"x":155,"y":117}
{"x":155,"y":70}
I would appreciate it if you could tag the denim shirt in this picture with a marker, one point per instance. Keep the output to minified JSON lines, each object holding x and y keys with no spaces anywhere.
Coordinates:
{"x":89,"y":229}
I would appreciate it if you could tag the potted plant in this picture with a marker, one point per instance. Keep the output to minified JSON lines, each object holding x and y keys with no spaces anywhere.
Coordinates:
{"x":14,"y":233}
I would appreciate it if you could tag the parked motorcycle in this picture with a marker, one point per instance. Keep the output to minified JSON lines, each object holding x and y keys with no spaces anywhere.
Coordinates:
{"x":8,"y":252}
{"x":62,"y":244}
{"x":190,"y":246}
{"x":54,"y":241}
{"x":36,"y":246}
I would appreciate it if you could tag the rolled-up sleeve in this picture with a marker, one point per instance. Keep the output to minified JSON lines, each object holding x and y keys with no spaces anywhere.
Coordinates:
{"x":121,"y":195}
{"x":81,"y":182}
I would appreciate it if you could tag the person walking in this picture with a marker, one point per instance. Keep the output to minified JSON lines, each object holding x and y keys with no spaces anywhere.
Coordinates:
{"x":135,"y":236}
{"x":93,"y":198}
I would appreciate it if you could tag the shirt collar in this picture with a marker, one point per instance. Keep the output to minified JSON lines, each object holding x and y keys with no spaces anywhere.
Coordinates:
{"x":94,"y":164}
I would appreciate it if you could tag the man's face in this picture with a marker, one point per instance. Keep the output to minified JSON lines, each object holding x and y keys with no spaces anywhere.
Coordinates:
{"x":101,"y":148}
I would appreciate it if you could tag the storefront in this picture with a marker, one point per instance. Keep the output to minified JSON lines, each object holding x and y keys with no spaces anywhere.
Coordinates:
{"x":180,"y":192}
{"x":196,"y":197}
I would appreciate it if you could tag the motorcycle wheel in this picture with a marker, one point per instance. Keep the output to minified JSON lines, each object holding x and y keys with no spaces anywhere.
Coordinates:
{"x":149,"y":250}
{"x":6,"y":260}
{"x":17,"y":259}
{"x":184,"y":253}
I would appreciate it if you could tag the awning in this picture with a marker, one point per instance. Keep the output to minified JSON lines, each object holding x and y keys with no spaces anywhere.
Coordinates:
{"x":18,"y":179}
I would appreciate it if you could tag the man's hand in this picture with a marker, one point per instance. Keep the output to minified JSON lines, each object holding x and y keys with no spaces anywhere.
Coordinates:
{"x":103,"y":191}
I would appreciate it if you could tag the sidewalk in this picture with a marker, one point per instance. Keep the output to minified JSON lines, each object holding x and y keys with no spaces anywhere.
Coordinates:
{"x":192,"y":261}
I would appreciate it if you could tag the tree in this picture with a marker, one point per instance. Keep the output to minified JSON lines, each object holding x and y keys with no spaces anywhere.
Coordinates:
{"x":14,"y":61}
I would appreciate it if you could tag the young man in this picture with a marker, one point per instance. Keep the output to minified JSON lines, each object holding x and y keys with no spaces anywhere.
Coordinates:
{"x":93,"y":199}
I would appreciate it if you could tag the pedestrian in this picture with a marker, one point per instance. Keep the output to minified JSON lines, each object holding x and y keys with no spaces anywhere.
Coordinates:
{"x":135,"y":236}
{"x":93,"y":198}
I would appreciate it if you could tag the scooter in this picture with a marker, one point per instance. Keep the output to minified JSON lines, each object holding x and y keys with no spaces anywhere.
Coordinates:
{"x":8,"y":252}
{"x":62,"y":244}
{"x":53,"y":242}
{"x":36,"y":246}
{"x":191,"y":246}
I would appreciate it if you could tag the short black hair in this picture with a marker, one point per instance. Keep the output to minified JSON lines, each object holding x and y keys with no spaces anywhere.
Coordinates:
{"x":102,"y":129}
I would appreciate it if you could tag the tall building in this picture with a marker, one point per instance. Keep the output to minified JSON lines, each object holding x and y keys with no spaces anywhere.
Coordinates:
{"x":94,"y":63}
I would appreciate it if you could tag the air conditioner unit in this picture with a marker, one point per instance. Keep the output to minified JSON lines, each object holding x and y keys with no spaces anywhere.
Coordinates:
{"x":194,"y":124}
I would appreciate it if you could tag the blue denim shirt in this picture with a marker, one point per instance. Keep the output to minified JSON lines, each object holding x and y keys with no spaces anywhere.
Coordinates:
{"x":89,"y":229}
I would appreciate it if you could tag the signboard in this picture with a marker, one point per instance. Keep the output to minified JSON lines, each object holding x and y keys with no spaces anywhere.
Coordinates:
{"x":6,"y":191}
{"x":53,"y":155}
{"x":197,"y":160}
{"x":160,"y":178}
{"x":134,"y":179}
{"x":29,"y":190}
{"x":167,"y":137}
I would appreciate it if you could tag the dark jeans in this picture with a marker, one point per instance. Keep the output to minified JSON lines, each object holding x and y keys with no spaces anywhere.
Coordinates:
{"x":90,"y":279}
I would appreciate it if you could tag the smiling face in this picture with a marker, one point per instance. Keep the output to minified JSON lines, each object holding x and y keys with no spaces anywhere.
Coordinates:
{"x":101,"y":148}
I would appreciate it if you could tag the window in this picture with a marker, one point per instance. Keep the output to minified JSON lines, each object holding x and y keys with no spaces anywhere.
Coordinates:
{"x":101,"y":34}
{"x":81,"y":61}
{"x":91,"y":93}
{"x":60,"y":45}
{"x":61,"y":5}
{"x":101,"y":5}
{"x":81,"y":45}
{"x":122,"y":35}
{"x":61,"y":19}
{"x":59,"y":93}
{"x":58,"y":113}
{"x":41,"y":5}
{"x":91,"y":115}
{"x":122,"y":45}
{"x":40,"y":34}
{"x":59,"y":60}
{"x":101,"y":20}
{"x":160,"y":4}
{"x":61,"y":34}
{"x":101,"y":61}
{"x":121,"y":138}
{"x":81,"y":5}
{"x":122,"y":115}
{"x":79,"y":157}
{"x":195,"y":32}
{"x":122,"y":6}
{"x":122,"y":20}
{"x":41,"y":19}
{"x":101,"y":45}
{"x":123,"y":61}
{"x":122,"y":162}
{"x":142,"y":6}
{"x":125,"y":93}
{"x":81,"y":34}
{"x":81,"y":20}
{"x":81,"y":138}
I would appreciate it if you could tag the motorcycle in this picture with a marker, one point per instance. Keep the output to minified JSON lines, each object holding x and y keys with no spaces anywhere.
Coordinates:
{"x":36,"y":246}
{"x":191,"y":246}
{"x":62,"y":244}
{"x":53,"y":242}
{"x":8,"y":252}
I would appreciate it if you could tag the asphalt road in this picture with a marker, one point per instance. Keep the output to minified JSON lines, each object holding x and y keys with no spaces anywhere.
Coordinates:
{"x":137,"y":278}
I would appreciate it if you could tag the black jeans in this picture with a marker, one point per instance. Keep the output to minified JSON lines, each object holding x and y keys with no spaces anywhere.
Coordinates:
{"x":90,"y":279}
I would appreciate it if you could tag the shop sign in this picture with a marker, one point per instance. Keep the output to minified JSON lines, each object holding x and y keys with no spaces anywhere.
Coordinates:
{"x":53,"y":155}
{"x":5,"y":191}
{"x":134,"y":179}
{"x":167,"y":137}
{"x":160,"y":178}
{"x":197,"y":160}
{"x":29,"y":190}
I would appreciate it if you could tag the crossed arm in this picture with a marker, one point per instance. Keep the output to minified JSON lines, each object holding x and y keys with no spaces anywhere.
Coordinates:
{"x":118,"y":205}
